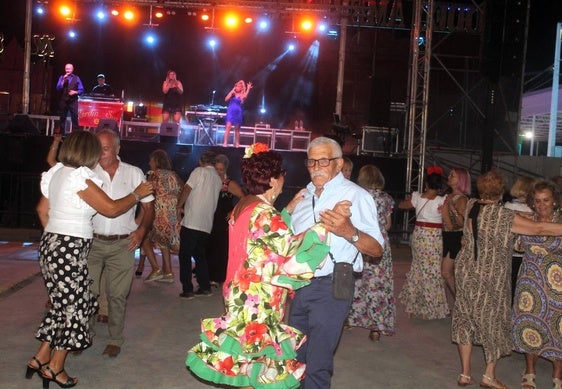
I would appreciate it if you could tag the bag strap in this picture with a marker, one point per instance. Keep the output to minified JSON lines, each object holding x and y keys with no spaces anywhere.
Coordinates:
{"x":334,"y":261}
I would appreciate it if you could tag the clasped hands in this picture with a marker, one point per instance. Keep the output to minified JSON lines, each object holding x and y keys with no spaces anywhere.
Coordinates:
{"x":338,"y":219}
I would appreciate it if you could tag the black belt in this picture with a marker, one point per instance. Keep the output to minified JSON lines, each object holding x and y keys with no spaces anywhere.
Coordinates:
{"x":110,"y":237}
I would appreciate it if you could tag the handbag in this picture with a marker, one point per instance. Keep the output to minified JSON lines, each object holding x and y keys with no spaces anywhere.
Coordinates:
{"x":343,"y":279}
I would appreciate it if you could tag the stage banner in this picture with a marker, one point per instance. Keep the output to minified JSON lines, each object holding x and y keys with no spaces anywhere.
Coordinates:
{"x":90,"y":112}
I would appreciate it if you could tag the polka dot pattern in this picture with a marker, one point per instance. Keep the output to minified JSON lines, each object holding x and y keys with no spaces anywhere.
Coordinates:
{"x":63,"y":261}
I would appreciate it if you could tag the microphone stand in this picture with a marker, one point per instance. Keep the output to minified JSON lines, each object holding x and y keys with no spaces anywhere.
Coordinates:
{"x":213,"y":98}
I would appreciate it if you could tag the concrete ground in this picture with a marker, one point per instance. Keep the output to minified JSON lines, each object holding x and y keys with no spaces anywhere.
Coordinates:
{"x":160,"y":328}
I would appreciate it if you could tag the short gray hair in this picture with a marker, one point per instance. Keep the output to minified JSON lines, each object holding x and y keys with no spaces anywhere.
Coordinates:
{"x":221,"y":158}
{"x":323,"y":140}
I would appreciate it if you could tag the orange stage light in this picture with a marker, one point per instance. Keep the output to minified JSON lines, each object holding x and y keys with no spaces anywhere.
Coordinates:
{"x":159,"y":14}
{"x":115,"y":12}
{"x":306,"y":25}
{"x":248,"y":20}
{"x":129,"y":15}
{"x":205,"y":17}
{"x":231,"y":21}
{"x":65,"y":10}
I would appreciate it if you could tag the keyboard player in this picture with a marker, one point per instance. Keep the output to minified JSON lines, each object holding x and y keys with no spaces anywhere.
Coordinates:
{"x":102,"y":89}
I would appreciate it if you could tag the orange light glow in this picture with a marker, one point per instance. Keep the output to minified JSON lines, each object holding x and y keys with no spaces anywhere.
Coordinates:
{"x":248,"y":20}
{"x":159,"y":14}
{"x":306,"y":25}
{"x":65,"y":10}
{"x":115,"y":12}
{"x":205,"y":17}
{"x":231,"y":21}
{"x":129,"y":15}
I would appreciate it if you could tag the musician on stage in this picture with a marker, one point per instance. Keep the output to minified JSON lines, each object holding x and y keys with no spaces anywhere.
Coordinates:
{"x":102,"y":88}
{"x":70,"y":86}
{"x":172,"y":89}
{"x":235,"y":98}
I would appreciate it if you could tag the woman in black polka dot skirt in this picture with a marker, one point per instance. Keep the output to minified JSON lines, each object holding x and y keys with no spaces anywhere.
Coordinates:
{"x":71,"y":196}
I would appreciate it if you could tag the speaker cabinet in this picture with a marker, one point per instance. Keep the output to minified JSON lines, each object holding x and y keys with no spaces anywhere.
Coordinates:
{"x":381,"y":140}
{"x":169,"y":132}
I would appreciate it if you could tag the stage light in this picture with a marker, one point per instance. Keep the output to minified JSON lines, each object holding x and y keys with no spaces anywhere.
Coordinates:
{"x":115,"y":12}
{"x":150,"y":39}
{"x":40,"y":10}
{"x":101,"y":15}
{"x":248,"y":20}
{"x":205,"y":17}
{"x":263,"y":110}
{"x":322,"y":27}
{"x":159,"y":14}
{"x":306,"y":25}
{"x":263,"y":25}
{"x":129,"y":15}
{"x":291,"y":47}
{"x":65,"y":11}
{"x":231,"y":21}
{"x":72,"y":34}
{"x":212,"y":43}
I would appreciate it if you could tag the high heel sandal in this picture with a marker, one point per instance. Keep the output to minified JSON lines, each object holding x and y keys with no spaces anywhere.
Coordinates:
{"x":528,"y":381}
{"x":491,"y":383}
{"x":70,"y":381}
{"x":465,"y":380}
{"x":32,"y":370}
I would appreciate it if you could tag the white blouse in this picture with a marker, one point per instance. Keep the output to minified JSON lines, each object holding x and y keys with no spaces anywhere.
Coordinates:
{"x":68,"y":213}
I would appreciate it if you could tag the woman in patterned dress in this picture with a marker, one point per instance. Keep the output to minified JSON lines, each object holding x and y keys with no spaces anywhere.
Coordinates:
{"x":453,"y":211}
{"x":165,"y":232}
{"x":537,"y":307}
{"x":373,"y":304}
{"x":482,"y":313}
{"x":250,"y":345}
{"x":71,"y":196}
{"x":423,"y":293}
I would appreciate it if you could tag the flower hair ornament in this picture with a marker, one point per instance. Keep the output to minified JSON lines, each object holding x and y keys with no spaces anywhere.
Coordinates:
{"x":435,"y":170}
{"x":256,"y":148}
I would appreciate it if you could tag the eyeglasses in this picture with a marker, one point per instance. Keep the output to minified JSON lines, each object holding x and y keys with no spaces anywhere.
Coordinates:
{"x":322,"y":162}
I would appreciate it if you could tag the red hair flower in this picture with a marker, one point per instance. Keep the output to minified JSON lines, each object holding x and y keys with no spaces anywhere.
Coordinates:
{"x":435,"y":170}
{"x":256,"y":148}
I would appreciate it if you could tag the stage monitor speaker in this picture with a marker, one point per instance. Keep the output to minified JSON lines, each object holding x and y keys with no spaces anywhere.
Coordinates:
{"x":169,"y":132}
{"x":110,"y":124}
{"x":22,"y":124}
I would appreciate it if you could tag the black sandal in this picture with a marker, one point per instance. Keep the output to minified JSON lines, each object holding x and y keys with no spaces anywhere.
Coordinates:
{"x":32,"y":370}
{"x":70,"y":381}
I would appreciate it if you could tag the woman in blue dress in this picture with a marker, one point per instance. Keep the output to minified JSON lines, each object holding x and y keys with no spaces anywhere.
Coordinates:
{"x":235,"y":99}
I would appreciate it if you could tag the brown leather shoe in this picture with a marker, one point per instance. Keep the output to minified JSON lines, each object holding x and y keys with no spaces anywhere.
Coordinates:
{"x":102,"y":318}
{"x":111,"y":350}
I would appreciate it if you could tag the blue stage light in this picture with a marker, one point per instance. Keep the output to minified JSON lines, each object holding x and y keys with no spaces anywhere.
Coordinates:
{"x":150,"y":39}
{"x":263,"y":25}
{"x":101,"y":15}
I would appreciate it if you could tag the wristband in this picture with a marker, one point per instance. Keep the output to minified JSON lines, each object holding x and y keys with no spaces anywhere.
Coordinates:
{"x":137,"y":197}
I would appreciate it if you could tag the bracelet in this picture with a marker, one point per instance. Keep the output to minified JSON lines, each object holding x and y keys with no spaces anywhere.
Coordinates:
{"x":137,"y":197}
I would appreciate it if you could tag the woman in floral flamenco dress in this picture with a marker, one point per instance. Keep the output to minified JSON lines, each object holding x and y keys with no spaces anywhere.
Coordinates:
{"x":250,"y":346}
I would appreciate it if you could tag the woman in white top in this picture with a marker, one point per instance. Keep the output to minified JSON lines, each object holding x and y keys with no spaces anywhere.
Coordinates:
{"x":423,"y":293}
{"x":71,"y":196}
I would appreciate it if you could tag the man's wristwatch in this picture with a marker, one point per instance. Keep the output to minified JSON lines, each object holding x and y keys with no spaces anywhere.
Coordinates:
{"x":355,"y":237}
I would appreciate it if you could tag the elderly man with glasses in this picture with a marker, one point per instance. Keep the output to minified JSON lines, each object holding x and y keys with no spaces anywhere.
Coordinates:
{"x":316,"y":310}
